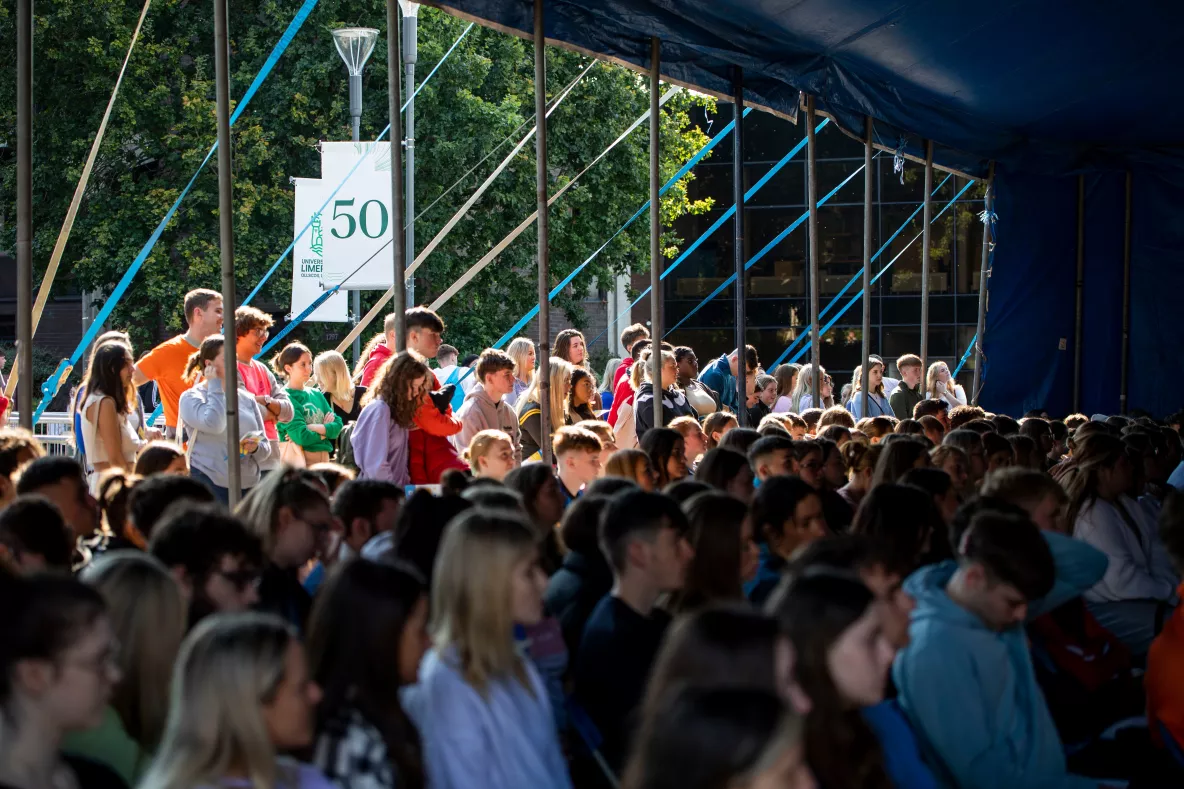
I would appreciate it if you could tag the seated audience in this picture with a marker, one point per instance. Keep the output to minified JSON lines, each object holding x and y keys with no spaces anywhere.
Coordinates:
{"x":366,"y":510}
{"x":490,"y":455}
{"x":61,"y":480}
{"x":668,"y":456}
{"x":724,"y":555}
{"x":584,"y":577}
{"x":786,"y":515}
{"x":633,"y":465}
{"x":152,"y":497}
{"x":577,"y":458}
{"x":772,"y":456}
{"x":34,"y":537}
{"x":716,"y":426}
{"x":727,"y":471}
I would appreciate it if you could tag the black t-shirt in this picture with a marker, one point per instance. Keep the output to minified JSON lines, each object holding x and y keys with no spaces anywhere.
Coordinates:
{"x":352,"y":414}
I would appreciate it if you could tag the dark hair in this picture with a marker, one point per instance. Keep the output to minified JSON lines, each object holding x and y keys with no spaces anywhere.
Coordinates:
{"x":660,"y":444}
{"x":994,"y":443}
{"x":848,"y":553}
{"x":714,"y":523}
{"x":527,"y":480}
{"x":833,"y":433}
{"x":1012,"y":551}
{"x":496,"y":496}
{"x":750,"y":357}
{"x":420,"y":528}
{"x":814,"y":611}
{"x":492,"y":361}
{"x":720,"y":466}
{"x":903,"y":517}
{"x":199,"y":299}
{"x":580,"y":527}
{"x":157,"y":457}
{"x":1005,"y":425}
{"x":363,"y":498}
{"x":445,"y":351}
{"x":931,"y":407}
{"x":354,"y":636}
{"x":934,"y":481}
{"x":909,"y":427}
{"x":106,"y":370}
{"x":423,"y":318}
{"x":775,"y":502}
{"x":896,"y":459}
{"x":453,"y":482}
{"x":636,"y":515}
{"x":152,"y":496}
{"x":1094,"y":453}
{"x":1171,"y":527}
{"x":291,"y":353}
{"x":16,"y":442}
{"x":812,"y":417}
{"x":34,"y":524}
{"x":767,"y":445}
{"x":49,"y":470}
{"x":739,"y":439}
{"x":704,"y":738}
{"x":631,"y":334}
{"x":610,"y":486}
{"x":684,"y":489}
{"x":1034,"y":428}
{"x":563,"y":345}
{"x":208,"y":351}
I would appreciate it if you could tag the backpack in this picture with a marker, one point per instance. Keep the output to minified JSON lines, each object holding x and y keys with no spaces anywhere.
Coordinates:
{"x":345,"y":447}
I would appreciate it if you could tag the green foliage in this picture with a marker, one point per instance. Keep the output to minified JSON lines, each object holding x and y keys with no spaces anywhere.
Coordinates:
{"x":164,"y":123}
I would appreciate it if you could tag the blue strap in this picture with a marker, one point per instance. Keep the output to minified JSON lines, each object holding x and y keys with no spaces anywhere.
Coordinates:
{"x":50,"y":388}
{"x":965,"y":356}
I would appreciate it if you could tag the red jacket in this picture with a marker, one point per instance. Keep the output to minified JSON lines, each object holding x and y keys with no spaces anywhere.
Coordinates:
{"x":377,"y":358}
{"x":430,"y":453}
{"x":621,"y":389}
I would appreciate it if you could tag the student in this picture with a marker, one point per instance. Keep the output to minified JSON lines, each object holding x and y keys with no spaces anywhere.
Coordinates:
{"x":772,"y":456}
{"x":147,"y":614}
{"x":380,"y":436}
{"x":151,"y":498}
{"x":938,"y":409}
{"x":764,"y":395}
{"x":674,"y":402}
{"x":367,"y":636}
{"x":702,"y":398}
{"x":668,"y":455}
{"x":430,"y":453}
{"x":786,"y":376}
{"x":972,"y":444}
{"x":451,"y":374}
{"x":968,"y":656}
{"x":577,"y":455}
{"x":241,"y":695}
{"x":484,"y":407}
{"x":161,"y":457}
{"x":581,"y":399}
{"x":59,"y":669}
{"x":291,"y":518}
{"x":366,"y":509}
{"x":907,"y":394}
{"x":940,"y":385}
{"x":314,"y":426}
{"x":643,"y":536}
{"x":802,"y":399}
{"x":721,"y":374}
{"x":786,"y":515}
{"x":716,"y":426}
{"x":543,"y":503}
{"x":728,"y":472}
{"x":740,"y":440}
{"x":835,"y":415}
{"x":773,"y":425}
{"x":861,"y":461}
{"x":34,"y":537}
{"x":633,"y":339}
{"x":1165,"y":692}
{"x":380,"y":348}
{"x":165,"y":364}
{"x":724,"y":554}
{"x":110,"y":439}
{"x":608,"y":439}
{"x":203,"y":413}
{"x":332,"y":376}
{"x":998,"y":452}
{"x":626,"y":424}
{"x":877,"y":401}
{"x":533,"y":432}
{"x":571,"y":347}
{"x":961,"y":415}
{"x":60,"y":479}
{"x":521,"y":350}
{"x":585,"y":577}
{"x":251,"y":328}
{"x":940,"y":487}
{"x":633,"y":465}
{"x":482,"y":709}
{"x":490,"y":455}
{"x":906,"y":520}
{"x":18,"y":448}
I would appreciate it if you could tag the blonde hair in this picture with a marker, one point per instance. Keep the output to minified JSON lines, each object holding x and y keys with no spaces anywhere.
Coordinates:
{"x":603,"y":430}
{"x":715,"y":422}
{"x":333,"y":376}
{"x":296,"y":489}
{"x":518,"y":350}
{"x":482,"y":444}
{"x":805,"y":386}
{"x":472,"y":600}
{"x":560,"y":380}
{"x":360,"y":367}
{"x":623,"y":463}
{"x":637,"y":374}
{"x":149,"y":616}
{"x":571,"y":438}
{"x":685,"y":425}
{"x":931,"y":378}
{"x":772,"y":425}
{"x":229,"y":666}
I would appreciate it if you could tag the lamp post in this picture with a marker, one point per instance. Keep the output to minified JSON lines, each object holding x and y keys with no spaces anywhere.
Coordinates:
{"x":355,"y":45}
{"x":410,"y":55}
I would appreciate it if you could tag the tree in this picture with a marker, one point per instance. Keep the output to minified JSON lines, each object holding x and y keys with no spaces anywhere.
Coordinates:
{"x":164,"y":123}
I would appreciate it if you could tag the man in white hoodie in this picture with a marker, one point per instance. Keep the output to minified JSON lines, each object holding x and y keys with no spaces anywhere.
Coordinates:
{"x":484,"y":408}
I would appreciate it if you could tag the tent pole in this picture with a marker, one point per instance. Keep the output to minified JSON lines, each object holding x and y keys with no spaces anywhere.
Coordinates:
{"x":925,"y":260}
{"x":867,"y":262}
{"x":738,"y":246}
{"x":1126,"y":299}
{"x":812,"y":207}
{"x":540,"y":147}
{"x":226,"y":238}
{"x":24,"y":208}
{"x":983,"y":275}
{"x":394,"y":75}
{"x":1077,"y":323}
{"x":655,"y":228}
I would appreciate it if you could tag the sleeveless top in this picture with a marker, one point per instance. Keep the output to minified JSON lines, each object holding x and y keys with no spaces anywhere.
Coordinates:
{"x":96,"y":451}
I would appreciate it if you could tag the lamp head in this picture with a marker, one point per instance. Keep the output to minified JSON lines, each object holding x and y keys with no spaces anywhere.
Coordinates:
{"x":355,"y":45}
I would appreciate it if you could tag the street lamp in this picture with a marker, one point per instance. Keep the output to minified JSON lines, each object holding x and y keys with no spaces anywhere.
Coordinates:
{"x":410,"y":55}
{"x":355,"y":45}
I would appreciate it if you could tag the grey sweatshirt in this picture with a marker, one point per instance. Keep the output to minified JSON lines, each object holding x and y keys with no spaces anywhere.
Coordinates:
{"x":480,"y":412}
{"x":203,"y":411}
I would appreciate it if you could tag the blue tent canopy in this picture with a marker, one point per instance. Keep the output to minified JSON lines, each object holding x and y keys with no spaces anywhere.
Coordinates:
{"x":1048,"y":90}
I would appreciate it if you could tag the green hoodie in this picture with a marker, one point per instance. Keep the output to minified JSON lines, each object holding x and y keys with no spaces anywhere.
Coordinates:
{"x":309,"y":407}
{"x":109,"y":744}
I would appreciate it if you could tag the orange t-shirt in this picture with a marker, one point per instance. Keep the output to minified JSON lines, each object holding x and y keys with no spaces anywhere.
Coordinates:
{"x":165,"y":364}
{"x":1164,"y":680}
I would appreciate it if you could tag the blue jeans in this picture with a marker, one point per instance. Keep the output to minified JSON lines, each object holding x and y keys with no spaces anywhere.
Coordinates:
{"x":220,"y":493}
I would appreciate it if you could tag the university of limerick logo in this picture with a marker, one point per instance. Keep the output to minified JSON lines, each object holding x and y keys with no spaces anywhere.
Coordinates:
{"x":317,"y":243}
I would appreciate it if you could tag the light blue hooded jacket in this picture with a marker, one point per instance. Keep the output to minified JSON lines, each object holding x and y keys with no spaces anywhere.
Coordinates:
{"x":971,"y":693}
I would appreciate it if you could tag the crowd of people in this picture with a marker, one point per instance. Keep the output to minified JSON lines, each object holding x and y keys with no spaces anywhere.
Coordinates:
{"x":908,"y":593}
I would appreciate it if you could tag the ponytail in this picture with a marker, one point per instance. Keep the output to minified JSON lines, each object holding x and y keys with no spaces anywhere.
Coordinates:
{"x":198,"y":360}
{"x":291,"y":354}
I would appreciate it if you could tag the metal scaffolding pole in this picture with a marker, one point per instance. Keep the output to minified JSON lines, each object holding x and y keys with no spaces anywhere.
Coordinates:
{"x":738,"y":247}
{"x":540,"y":147}
{"x":226,"y":240}
{"x":1126,"y":299}
{"x":394,"y":74}
{"x":812,"y":207}
{"x":24,"y":208}
{"x":868,"y":180}
{"x":655,"y":228}
{"x":1077,"y":321}
{"x":925,"y":260}
{"x":984,"y":275}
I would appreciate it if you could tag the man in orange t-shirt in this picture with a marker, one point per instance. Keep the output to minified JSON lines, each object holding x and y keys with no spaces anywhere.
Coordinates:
{"x":165,"y":364}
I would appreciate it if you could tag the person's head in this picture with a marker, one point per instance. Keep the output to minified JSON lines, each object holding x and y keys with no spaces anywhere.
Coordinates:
{"x":290,"y":515}
{"x":956,"y":464}
{"x":18,"y":448}
{"x":667,"y":452}
{"x":419,"y":529}
{"x":861,"y":460}
{"x":583,"y":389}
{"x":834,"y":464}
{"x":693,"y":438}
{"x":147,"y":613}
{"x":521,"y":350}
{"x":1039,"y":431}
{"x":58,"y":664}
{"x":766,"y":389}
{"x":1005,"y":425}
{"x":1035,"y":492}
{"x":875,"y":376}
{"x":634,"y":465}
{"x":495,"y":371}
{"x":909,"y":366}
{"x":560,"y":386}
{"x":725,"y":553}
{"x":571,"y":346}
{"x":904,"y":518}
{"x":577,"y":455}
{"x":152,"y":497}
{"x":580,"y":528}
{"x":716,"y":425}
{"x":909,"y":427}
{"x":897,"y":458}
{"x":366,"y":637}
{"x":805,"y":386}
{"x":1026,"y":452}
{"x":1103,"y":471}
{"x":1074,"y":421}
{"x":939,"y":372}
{"x":610,"y":486}
{"x":251,"y":327}
{"x":61,"y":480}
{"x":937,"y":408}
{"x":787,"y":514}
{"x":490,"y":454}
{"x":487,"y":580}
{"x":332,"y":376}
{"x":631,"y":335}
{"x":836,"y":415}
{"x":293,"y":364}
{"x":971,"y":443}
{"x":161,"y":457}
{"x":212,"y":556}
{"x":203,"y":312}
{"x":772,"y":456}
{"x":208,"y":361}
{"x":402,"y":382}
{"x":610,"y":374}
{"x":111,"y":374}
{"x":366,"y":508}
{"x":446,"y":355}
{"x":807,"y":462}
{"x":936,"y":482}
{"x":1003,"y":565}
{"x":836,"y":434}
{"x":739,"y":439}
{"x":751,"y":361}
{"x":33,"y":535}
{"x":932,"y":428}
{"x":960,"y":415}
{"x":425,"y":331}
{"x":687,"y":363}
{"x":241,"y":694}
{"x":728,"y":471}
{"x":644,"y":538}
{"x":540,"y":493}
{"x":787,"y":377}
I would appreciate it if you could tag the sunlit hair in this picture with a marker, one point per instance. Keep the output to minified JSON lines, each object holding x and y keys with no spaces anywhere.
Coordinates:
{"x":857,"y":380}
{"x":931,"y":379}
{"x":472,"y":598}
{"x":716,"y":422}
{"x":392,"y":382}
{"x":805,"y":386}
{"x":148,"y":615}
{"x":624,"y":463}
{"x":772,"y":425}
{"x":571,"y":438}
{"x":785,"y":375}
{"x":292,"y":353}
{"x":332,"y":376}
{"x":210,"y":348}
{"x":562,"y":347}
{"x":105,"y":375}
{"x":249,"y":319}
{"x":114,"y":495}
{"x":297,"y":489}
{"x":482,"y":444}
{"x":560,"y":382}
{"x":1093,"y":454}
{"x":157,"y":457}
{"x":228,"y":667}
{"x":519,"y":350}
{"x":603,"y":430}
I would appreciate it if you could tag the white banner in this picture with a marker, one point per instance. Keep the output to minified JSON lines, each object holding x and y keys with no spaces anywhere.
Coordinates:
{"x":357,"y":221}
{"x":308,"y":258}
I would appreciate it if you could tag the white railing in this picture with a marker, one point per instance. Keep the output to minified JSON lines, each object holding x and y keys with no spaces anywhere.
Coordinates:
{"x":55,"y":431}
